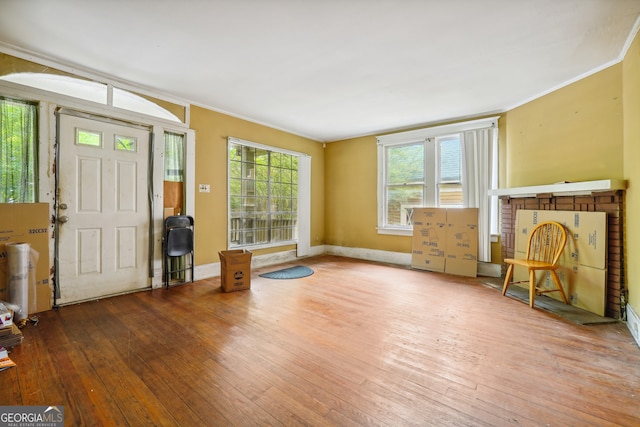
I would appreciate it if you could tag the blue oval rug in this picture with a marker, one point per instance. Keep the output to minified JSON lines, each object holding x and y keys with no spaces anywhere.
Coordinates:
{"x":289,"y":273}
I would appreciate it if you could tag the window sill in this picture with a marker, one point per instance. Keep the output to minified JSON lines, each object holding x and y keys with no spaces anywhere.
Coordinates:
{"x":395,"y":231}
{"x":264,"y":246}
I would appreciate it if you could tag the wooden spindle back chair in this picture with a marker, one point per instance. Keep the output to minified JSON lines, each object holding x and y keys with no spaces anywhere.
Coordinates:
{"x":546,"y":243}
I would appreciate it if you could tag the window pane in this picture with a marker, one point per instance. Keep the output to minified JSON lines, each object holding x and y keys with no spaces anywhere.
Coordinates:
{"x":174,"y":157}
{"x":262,"y":204}
{"x":125,"y":143}
{"x":286,"y":190}
{"x":400,"y":201}
{"x":235,"y":169}
{"x":18,"y":151}
{"x":276,"y":160}
{"x":248,"y":170}
{"x":276,"y":174}
{"x":234,"y":203}
{"x":450,"y":182}
{"x":405,"y":164}
{"x":262,"y":157}
{"x":262,"y":173}
{"x":235,"y":152}
{"x":450,"y":195}
{"x":449,"y":159}
{"x":87,"y":137}
{"x":286,"y":161}
{"x":262,"y":188}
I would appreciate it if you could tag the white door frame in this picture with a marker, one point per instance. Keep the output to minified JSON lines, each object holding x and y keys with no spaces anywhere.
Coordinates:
{"x":49,"y":102}
{"x":116,"y":232}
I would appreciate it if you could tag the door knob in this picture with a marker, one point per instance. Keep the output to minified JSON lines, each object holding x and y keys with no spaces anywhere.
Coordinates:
{"x":62,"y":219}
{"x":63,"y":206}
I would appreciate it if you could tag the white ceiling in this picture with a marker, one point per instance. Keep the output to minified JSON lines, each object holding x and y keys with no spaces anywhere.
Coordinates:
{"x":329,"y":69}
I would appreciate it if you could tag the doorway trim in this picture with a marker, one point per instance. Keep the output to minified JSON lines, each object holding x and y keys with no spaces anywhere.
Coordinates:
{"x":50,"y":102}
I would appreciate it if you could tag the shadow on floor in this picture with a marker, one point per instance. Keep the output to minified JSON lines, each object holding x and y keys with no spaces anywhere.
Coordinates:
{"x":569,"y":312}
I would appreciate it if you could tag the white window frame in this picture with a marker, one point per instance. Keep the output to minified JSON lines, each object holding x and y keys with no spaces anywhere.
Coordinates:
{"x":304,"y":206}
{"x":425,"y":136}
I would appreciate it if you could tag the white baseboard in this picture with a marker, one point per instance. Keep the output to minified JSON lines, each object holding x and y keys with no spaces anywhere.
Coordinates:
{"x":370,"y":254}
{"x":206,"y":271}
{"x":633,"y":323}
{"x":399,"y":258}
{"x":484,"y":268}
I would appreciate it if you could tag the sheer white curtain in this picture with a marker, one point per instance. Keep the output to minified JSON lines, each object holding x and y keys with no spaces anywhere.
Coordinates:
{"x":173,"y":157}
{"x":478,"y":148}
{"x":18,"y":148}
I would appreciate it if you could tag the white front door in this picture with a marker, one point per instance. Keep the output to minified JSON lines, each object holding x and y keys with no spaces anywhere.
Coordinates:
{"x":103,"y":204}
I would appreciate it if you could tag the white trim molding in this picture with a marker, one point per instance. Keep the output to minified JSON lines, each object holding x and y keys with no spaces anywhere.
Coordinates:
{"x":563,"y":188}
{"x":633,"y":323}
{"x":206,"y":271}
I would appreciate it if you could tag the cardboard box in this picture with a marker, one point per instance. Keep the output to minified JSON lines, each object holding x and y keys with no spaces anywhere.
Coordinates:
{"x":28,"y":223}
{"x":235,"y":268}
{"x":445,"y":240}
{"x":429,"y":239}
{"x":462,"y":242}
{"x":587,"y":288}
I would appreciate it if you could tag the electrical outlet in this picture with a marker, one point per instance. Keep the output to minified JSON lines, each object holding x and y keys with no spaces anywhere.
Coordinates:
{"x":205,"y":188}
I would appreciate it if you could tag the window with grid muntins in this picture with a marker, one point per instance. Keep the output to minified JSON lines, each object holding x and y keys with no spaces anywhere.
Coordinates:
{"x":263,"y":196}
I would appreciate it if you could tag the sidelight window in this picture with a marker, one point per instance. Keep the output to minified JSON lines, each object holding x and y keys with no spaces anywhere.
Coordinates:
{"x":18,"y":151}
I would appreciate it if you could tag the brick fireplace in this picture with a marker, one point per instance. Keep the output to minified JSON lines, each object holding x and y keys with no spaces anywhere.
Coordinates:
{"x":609,"y":199}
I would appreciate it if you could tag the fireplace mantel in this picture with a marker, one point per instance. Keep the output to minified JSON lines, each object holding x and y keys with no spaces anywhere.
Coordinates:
{"x":582,"y":188}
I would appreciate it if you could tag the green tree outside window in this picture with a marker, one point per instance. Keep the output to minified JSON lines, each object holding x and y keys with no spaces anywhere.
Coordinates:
{"x":18,"y":151}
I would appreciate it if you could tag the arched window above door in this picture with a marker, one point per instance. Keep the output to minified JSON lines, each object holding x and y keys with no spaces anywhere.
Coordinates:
{"x":91,"y":91}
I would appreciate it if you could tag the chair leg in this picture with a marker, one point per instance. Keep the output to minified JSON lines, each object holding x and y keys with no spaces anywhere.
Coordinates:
{"x":507,"y":279}
{"x":192,"y":267}
{"x":165,"y":274}
{"x":532,"y":287}
{"x":556,"y":279}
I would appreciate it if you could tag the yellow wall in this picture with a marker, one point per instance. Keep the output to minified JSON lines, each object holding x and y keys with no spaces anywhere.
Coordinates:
{"x":212,"y":130}
{"x":351,"y":201}
{"x":572,"y":134}
{"x":631,"y":154}
{"x":10,"y":64}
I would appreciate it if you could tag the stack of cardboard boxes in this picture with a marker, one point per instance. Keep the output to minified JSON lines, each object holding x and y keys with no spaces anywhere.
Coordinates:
{"x":445,"y":240}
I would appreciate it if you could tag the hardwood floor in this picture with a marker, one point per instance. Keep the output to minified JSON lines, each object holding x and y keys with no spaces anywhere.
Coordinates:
{"x":356,"y":343}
